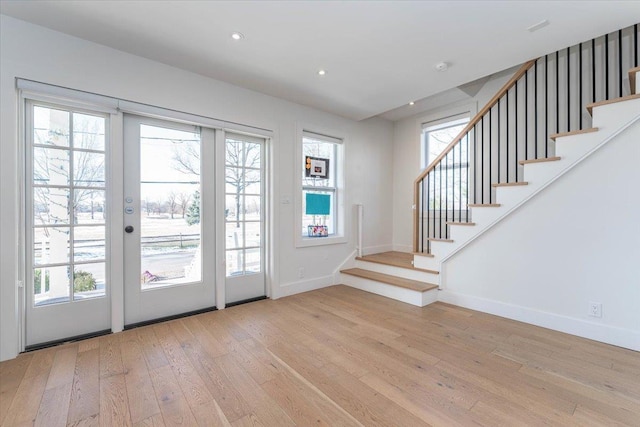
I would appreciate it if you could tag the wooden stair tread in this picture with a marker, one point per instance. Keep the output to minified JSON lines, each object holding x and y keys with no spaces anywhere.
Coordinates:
{"x":395,"y":259}
{"x":632,"y":78}
{"x":540,"y":160}
{"x":590,"y":107}
{"x":509,"y":184}
{"x":485,"y":205}
{"x":461,"y":223}
{"x":390,"y":280}
{"x":433,"y":239}
{"x":573,"y":132}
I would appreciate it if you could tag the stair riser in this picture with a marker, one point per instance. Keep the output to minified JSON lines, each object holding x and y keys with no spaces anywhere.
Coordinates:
{"x":543,"y":172}
{"x":484,"y":216}
{"x":406,"y":273}
{"x":510,"y":196}
{"x":573,"y":147}
{"x":429,"y":263}
{"x":637,"y":82}
{"x":617,"y":113}
{"x":408,"y":296}
{"x":462,"y":234}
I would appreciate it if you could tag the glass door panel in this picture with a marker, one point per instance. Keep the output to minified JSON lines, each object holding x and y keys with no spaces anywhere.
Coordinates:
{"x":244,"y":218}
{"x":164,"y":244}
{"x":66,"y":169}
{"x":170,"y":235}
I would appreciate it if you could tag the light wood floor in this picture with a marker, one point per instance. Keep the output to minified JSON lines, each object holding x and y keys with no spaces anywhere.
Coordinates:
{"x":336,"y":356}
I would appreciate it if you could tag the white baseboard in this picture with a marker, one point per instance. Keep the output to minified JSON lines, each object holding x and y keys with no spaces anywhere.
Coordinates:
{"x":402,"y":248}
{"x":293,"y":288}
{"x":626,"y":338}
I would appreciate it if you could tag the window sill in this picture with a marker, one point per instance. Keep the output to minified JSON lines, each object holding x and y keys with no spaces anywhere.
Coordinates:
{"x":304,"y":242}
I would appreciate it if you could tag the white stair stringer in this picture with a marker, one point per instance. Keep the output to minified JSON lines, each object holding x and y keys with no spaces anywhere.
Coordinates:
{"x":405,"y":295}
{"x":610,"y":119}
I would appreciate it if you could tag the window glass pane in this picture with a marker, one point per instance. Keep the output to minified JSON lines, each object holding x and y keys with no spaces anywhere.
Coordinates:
{"x":50,"y":205}
{"x":88,"y":243}
{"x":235,"y":262}
{"x":50,"y":127}
{"x":319,"y":150}
{"x":234,"y":235}
{"x":51,"y":285}
{"x":89,"y":281}
{"x":170,"y":204}
{"x":438,"y":139}
{"x":252,"y":260}
{"x":88,"y":169}
{"x":251,"y":208}
{"x":252,"y":181}
{"x":51,"y":245}
{"x":252,"y":234}
{"x":88,"y":132}
{"x":89,"y":206}
{"x":234,"y":153}
{"x":233,"y":207}
{"x":310,"y":220}
{"x":252,"y":155}
{"x":50,"y":166}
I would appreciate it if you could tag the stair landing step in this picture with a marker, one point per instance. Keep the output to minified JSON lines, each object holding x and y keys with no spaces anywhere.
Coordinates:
{"x":540,"y":160}
{"x":590,"y":107}
{"x":485,"y":205}
{"x":461,"y":223}
{"x":395,"y":259}
{"x":573,"y":132}
{"x":414,"y":285}
{"x":433,"y":239}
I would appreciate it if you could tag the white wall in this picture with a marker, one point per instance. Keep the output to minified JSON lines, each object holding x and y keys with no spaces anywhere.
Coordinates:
{"x":548,"y":260}
{"x":36,"y":53}
{"x":406,"y":155}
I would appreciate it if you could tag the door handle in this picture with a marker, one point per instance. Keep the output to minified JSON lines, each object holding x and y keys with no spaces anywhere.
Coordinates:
{"x":129,"y":229}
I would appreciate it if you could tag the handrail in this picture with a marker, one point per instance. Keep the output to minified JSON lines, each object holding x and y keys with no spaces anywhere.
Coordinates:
{"x":478,"y":117}
{"x":549,"y":95}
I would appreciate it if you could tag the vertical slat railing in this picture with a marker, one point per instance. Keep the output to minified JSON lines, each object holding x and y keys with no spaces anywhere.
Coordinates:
{"x":491,"y":145}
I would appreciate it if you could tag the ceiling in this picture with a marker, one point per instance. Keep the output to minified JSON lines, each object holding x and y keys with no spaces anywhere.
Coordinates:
{"x":379,"y":55}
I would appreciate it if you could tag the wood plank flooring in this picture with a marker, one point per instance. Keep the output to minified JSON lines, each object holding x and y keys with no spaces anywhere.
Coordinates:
{"x":336,"y":357}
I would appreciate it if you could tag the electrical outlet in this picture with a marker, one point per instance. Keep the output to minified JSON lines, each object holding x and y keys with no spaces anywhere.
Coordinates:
{"x":595,"y":309}
{"x":301,"y":273}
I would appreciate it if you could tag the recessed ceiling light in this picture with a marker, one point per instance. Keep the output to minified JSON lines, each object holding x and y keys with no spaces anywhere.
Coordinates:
{"x":442,"y":66}
{"x":237,"y":36}
{"x":322,"y":72}
{"x":412,"y":103}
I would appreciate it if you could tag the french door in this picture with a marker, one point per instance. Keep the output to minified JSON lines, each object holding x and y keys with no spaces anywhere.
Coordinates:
{"x":169,"y":219}
{"x":172,"y":211}
{"x":244,"y":217}
{"x":66,"y":237}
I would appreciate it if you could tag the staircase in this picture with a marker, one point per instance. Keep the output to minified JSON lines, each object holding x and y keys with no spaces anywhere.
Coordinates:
{"x":393,"y":275}
{"x":442,"y":232}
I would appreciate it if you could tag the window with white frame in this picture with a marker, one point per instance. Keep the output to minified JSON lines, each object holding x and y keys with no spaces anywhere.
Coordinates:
{"x":438,"y":134}
{"x":320,"y":173}
{"x":453,"y":170}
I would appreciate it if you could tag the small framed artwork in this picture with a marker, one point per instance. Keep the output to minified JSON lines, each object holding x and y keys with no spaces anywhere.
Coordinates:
{"x":316,"y":167}
{"x":318,"y":231}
